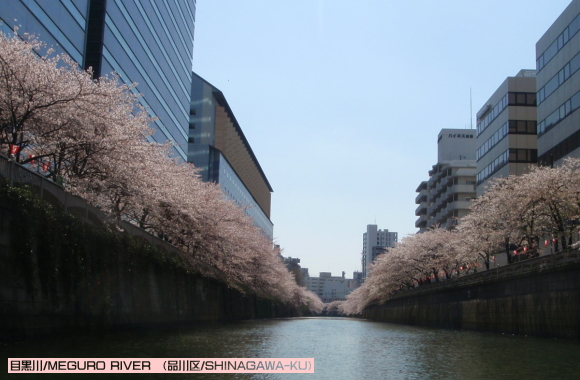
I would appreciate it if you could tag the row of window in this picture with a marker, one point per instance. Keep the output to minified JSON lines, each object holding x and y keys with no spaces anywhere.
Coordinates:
{"x":558,"y":44}
{"x":557,"y":80}
{"x":161,"y":128}
{"x":560,"y":114}
{"x":144,"y":24}
{"x":129,"y":59}
{"x":492,"y":168}
{"x":510,"y":155}
{"x":521,"y":127}
{"x":560,"y":150}
{"x":151,"y":77}
{"x":510,"y":99}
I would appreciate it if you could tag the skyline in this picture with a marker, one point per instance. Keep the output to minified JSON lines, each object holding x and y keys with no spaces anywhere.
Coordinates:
{"x":342,"y":105}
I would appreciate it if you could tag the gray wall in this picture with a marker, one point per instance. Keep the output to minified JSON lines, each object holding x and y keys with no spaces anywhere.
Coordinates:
{"x":543,"y":303}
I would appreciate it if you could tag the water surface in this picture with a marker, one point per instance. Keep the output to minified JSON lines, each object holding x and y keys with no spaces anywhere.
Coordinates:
{"x":343,"y":348}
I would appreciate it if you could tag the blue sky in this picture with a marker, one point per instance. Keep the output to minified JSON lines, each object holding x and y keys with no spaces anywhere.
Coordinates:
{"x":342,"y":101}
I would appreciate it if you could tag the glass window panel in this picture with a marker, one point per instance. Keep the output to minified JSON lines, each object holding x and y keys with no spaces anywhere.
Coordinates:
{"x":575,"y":101}
{"x":520,"y":98}
{"x":550,"y":52}
{"x":575,"y":64}
{"x":551,"y":86}
{"x":574,"y":25}
{"x":521,"y":126}
{"x":513,"y":155}
{"x":531,"y":98}
{"x":512,"y":98}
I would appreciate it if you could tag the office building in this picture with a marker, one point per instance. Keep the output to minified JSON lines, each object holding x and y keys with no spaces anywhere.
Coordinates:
{"x":375,"y":242}
{"x":447,"y":195}
{"x":331,"y":288}
{"x":506,"y":130}
{"x":217,"y":145}
{"x":558,"y":83}
{"x":145,"y":41}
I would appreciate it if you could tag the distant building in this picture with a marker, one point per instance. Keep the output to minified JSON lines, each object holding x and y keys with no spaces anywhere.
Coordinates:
{"x":375,"y":242}
{"x":217,"y":146}
{"x":506,"y":130}
{"x":448,"y":193}
{"x":330,"y":288}
{"x":293,"y":266}
{"x":558,"y":84}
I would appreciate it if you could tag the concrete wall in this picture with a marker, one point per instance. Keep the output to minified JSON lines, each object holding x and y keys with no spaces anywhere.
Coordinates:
{"x":543,"y":303}
{"x":112,"y":292}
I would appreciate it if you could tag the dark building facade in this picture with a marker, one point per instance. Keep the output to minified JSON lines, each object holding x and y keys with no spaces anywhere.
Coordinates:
{"x":146,"y":42}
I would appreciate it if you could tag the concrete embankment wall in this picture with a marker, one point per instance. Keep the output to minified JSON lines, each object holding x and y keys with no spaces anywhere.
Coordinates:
{"x":118,"y":284}
{"x":543,"y":302}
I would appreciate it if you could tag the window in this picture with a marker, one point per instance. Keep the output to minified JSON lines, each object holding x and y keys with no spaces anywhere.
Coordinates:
{"x":191,"y":140}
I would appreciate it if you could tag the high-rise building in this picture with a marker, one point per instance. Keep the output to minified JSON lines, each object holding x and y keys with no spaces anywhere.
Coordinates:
{"x":375,"y":242}
{"x":448,"y":193}
{"x":506,"y":130}
{"x":218,"y":147}
{"x":146,"y":42}
{"x":558,"y":83}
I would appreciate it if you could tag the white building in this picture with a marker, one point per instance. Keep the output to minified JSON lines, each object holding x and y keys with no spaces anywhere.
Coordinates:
{"x":330,"y":288}
{"x":375,"y":242}
{"x":448,"y":193}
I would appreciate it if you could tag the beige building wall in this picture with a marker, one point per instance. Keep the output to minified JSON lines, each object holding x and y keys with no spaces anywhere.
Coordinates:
{"x":514,"y":141}
{"x":229,"y":141}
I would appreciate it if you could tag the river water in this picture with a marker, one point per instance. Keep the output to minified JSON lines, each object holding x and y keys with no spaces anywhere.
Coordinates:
{"x":342,"y":348}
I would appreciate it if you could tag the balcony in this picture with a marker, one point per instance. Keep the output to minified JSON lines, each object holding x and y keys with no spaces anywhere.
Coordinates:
{"x":421,"y":222}
{"x":422,"y":207}
{"x":461,"y":188}
{"x":421,"y":197}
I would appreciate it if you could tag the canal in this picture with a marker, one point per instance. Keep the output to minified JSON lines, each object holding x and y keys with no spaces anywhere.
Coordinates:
{"x":343,"y":348}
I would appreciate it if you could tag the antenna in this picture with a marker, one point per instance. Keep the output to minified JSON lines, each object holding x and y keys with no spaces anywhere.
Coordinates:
{"x":470,"y":109}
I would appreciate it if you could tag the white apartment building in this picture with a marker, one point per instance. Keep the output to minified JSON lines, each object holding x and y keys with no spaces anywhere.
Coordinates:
{"x":375,"y":242}
{"x":448,"y":193}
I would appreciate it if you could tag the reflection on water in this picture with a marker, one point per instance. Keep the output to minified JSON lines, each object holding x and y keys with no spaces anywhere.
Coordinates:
{"x":342,"y":348}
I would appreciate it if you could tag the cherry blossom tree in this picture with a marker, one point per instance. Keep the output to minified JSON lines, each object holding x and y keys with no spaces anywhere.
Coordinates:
{"x":92,"y":136}
{"x":54,"y":112}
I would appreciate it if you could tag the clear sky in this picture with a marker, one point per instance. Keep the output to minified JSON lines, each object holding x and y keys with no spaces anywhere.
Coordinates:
{"x":342,"y":101}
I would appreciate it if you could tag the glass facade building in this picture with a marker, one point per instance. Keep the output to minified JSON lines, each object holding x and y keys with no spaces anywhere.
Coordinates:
{"x":145,"y":41}
{"x":218,"y":147}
